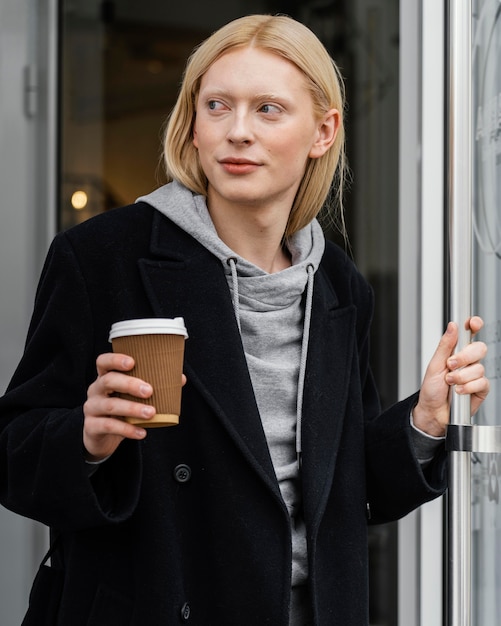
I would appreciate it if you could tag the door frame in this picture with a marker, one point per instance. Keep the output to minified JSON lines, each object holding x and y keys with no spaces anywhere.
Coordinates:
{"x":422,"y":284}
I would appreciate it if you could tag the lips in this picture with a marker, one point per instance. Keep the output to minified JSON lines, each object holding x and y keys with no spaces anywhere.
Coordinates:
{"x":235,"y":165}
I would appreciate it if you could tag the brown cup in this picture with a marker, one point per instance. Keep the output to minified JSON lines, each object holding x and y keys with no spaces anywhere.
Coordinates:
{"x":157,"y":347}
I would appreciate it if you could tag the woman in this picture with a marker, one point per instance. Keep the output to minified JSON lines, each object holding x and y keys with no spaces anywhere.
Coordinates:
{"x":254,"y":509}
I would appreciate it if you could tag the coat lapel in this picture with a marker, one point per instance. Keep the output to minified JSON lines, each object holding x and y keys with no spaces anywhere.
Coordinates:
{"x":327,"y":383}
{"x":184,"y":279}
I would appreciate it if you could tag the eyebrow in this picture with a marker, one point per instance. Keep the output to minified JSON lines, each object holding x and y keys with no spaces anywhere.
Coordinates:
{"x":222,"y":93}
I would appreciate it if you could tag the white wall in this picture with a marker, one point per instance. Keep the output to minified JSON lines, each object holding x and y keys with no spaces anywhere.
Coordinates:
{"x":23,"y":236}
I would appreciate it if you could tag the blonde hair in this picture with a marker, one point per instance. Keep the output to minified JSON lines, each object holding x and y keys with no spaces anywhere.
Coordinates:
{"x":285,"y":37}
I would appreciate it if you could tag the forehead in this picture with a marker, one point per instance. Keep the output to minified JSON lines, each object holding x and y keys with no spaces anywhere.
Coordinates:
{"x":256,"y":68}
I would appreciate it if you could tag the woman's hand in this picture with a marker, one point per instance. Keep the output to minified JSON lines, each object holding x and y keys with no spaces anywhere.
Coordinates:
{"x":446,"y":369}
{"x":103,"y":432}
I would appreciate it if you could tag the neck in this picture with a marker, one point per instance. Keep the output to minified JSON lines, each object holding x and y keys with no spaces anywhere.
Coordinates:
{"x":256,"y":236}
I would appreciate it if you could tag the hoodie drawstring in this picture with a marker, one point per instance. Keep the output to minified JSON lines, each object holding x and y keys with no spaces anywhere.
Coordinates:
{"x":232,"y":262}
{"x":302,"y":363}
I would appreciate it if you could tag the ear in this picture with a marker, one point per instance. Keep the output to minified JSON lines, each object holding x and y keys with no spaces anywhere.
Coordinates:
{"x":194,"y":131}
{"x":326,"y":133}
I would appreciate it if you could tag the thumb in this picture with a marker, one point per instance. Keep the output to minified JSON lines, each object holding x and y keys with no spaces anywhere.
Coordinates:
{"x":444,"y":349}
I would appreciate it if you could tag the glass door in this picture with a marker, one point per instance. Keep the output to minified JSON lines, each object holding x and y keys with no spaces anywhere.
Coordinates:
{"x":486,"y":467}
{"x":475,"y":232}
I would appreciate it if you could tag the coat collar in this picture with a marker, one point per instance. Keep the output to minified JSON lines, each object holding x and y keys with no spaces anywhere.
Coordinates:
{"x":183,"y":279}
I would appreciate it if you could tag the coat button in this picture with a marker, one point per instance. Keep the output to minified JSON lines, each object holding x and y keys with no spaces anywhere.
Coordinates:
{"x":182,"y":473}
{"x":185,"y":612}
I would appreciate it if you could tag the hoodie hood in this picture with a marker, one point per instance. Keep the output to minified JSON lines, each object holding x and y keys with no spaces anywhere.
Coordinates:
{"x":189,"y":211}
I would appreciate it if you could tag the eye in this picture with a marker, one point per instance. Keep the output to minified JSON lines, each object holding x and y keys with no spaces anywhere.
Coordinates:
{"x":215,"y":105}
{"x":270,"y":109}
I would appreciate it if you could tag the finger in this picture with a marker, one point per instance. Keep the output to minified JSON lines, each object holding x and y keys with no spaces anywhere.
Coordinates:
{"x":466,"y":374}
{"x":183,"y":380}
{"x":116,"y":382}
{"x":471,"y":353}
{"x":475,"y":324}
{"x":479,"y":396}
{"x":113,"y":361}
{"x":112,"y":406}
{"x":444,"y":349}
{"x":103,"y":427}
{"x":478,"y":387}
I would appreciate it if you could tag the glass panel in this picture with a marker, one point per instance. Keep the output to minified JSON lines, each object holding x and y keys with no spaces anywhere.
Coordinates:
{"x":121,"y":64}
{"x":486,"y":470}
{"x":486,"y":539}
{"x":371,"y":66}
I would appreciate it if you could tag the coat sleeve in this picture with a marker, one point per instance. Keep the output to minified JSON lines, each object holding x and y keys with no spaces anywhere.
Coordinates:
{"x":396,"y":481}
{"x":43,"y":474}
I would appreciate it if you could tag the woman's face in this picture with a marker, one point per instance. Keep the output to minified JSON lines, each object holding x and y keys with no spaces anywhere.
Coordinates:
{"x":255,"y":129}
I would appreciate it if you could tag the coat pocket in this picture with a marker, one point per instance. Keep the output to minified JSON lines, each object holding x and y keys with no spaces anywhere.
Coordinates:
{"x":110,"y":608}
{"x":45,"y":597}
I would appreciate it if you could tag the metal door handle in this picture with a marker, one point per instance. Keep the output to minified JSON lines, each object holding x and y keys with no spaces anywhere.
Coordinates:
{"x":473,"y":438}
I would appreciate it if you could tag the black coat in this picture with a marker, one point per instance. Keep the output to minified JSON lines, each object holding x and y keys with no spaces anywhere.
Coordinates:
{"x":188,"y":526}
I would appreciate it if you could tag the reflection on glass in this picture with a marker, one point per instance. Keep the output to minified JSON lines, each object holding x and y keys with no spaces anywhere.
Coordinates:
{"x":120,"y":76}
{"x":486,"y":470}
{"x":79,"y":200}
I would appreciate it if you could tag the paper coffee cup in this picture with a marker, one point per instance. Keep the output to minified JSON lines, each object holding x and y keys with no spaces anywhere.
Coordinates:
{"x":157,"y":347}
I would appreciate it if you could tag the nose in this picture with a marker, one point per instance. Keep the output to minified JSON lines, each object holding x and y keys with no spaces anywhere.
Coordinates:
{"x":240,"y":129}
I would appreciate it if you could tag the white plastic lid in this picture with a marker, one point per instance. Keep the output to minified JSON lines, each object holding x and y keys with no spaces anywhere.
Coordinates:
{"x":153,"y":326}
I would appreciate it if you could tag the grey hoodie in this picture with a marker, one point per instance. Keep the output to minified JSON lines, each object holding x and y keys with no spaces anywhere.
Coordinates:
{"x":271,"y":317}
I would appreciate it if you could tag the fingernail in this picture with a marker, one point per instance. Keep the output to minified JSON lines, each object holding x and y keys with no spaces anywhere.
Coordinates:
{"x":140,"y":432}
{"x":450,"y":328}
{"x":148,"y":411}
{"x":145,"y":390}
{"x":449,"y":378}
{"x":127,"y":362}
{"x":452,"y":364}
